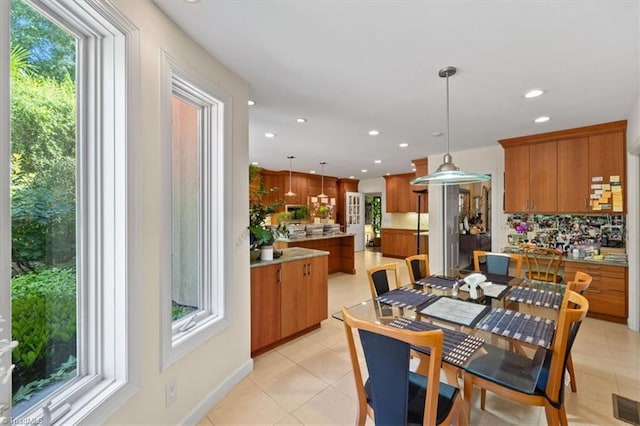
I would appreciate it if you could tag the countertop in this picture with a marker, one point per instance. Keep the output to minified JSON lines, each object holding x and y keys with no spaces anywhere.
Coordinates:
{"x":578,"y":259}
{"x":314,"y":237}
{"x":290,"y":255}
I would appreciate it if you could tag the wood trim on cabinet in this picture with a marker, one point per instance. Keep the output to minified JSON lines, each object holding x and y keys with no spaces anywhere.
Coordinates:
{"x":614,"y":126}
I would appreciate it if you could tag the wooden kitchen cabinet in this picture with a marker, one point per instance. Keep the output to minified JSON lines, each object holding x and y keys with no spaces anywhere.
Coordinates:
{"x":298,"y":187}
{"x":608,"y":292}
{"x":287,"y":300}
{"x":531,"y":178}
{"x":399,"y":195}
{"x":401,"y":243}
{"x":556,"y":172}
{"x":573,"y":174}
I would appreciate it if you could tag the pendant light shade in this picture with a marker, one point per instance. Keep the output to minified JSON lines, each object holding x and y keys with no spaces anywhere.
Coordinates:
{"x":290,"y":193}
{"x":322,"y":194}
{"x":448,"y":173}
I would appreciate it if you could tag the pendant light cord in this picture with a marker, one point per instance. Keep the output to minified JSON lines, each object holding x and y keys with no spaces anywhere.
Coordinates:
{"x":448,"y":114}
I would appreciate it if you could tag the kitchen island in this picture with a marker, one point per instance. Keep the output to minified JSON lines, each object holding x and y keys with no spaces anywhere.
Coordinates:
{"x":288,"y":297}
{"x":340,"y":248}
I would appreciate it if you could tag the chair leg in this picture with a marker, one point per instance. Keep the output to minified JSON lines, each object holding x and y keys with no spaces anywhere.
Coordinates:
{"x":483,"y":398}
{"x":563,"y":416}
{"x":554,"y":415}
{"x":468,"y":393}
{"x":572,"y":374}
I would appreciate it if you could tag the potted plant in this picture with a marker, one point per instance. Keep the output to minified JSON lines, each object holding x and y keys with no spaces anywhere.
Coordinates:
{"x":323,"y":212}
{"x":260,"y":235}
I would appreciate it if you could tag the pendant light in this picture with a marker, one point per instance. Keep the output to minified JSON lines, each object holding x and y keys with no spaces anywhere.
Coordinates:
{"x":322,"y":194}
{"x":290,"y":193}
{"x":448,"y":173}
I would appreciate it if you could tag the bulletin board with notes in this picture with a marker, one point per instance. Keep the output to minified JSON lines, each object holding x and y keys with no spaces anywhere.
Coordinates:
{"x":606,"y":194}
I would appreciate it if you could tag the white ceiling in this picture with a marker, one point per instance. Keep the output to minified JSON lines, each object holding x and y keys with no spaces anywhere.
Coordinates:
{"x":351,"y":66}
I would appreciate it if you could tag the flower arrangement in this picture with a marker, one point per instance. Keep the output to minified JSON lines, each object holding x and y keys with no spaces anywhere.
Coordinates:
{"x":260,"y":233}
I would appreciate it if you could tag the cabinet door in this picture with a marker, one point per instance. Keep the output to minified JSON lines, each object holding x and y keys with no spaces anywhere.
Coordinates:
{"x":317,"y":279}
{"x":607,"y":158}
{"x":293,"y":298}
{"x":573,"y":175}
{"x":543,"y":177}
{"x":265,"y":306}
{"x":516,"y":179}
{"x":391,"y":189}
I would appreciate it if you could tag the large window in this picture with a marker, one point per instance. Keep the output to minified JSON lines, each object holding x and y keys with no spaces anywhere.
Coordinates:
{"x":71,"y":246}
{"x":195,"y":145}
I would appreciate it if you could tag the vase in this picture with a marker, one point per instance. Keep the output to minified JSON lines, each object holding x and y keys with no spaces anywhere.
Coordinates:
{"x":254,"y":255}
{"x":266,"y":253}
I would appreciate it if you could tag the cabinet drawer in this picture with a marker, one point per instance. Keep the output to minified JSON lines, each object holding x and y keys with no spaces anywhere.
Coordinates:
{"x":606,"y":283}
{"x":607,"y":302}
{"x":611,"y":271}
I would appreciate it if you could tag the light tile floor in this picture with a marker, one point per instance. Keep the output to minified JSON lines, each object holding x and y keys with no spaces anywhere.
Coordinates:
{"x":308,"y":381}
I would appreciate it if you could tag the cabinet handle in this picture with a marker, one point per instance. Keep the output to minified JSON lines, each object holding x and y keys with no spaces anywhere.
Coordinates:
{"x":533,"y":204}
{"x":308,"y":269}
{"x":279,"y":276}
{"x":590,"y":290}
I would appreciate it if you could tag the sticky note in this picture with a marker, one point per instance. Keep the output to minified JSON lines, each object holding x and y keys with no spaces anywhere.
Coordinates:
{"x":616,"y":189}
{"x":597,"y":179}
{"x":614,"y":178}
{"x":606,"y":186}
{"x":597,"y":207}
{"x":598,"y":191}
{"x":596,"y":186}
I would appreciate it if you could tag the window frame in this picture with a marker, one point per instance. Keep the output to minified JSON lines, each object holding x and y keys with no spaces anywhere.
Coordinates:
{"x":108,"y":211}
{"x":183,"y":335}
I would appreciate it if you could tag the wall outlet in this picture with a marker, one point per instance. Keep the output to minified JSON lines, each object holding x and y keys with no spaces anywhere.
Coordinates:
{"x":171,"y":392}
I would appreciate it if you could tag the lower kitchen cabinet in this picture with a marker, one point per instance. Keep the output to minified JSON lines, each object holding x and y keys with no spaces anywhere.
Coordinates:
{"x":402,"y":243}
{"x":608,"y":293}
{"x":287,"y":299}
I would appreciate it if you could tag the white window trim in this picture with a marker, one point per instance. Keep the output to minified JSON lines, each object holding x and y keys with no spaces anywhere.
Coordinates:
{"x":109,"y":369}
{"x":178,"y":338}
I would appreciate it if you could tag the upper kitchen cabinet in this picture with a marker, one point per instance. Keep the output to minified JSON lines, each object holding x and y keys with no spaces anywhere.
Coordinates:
{"x":422,"y":169}
{"x":399,"y":195}
{"x":530,"y":177}
{"x":298,"y":186}
{"x":581,"y":170}
{"x":272,"y":180}
{"x":316,"y":186}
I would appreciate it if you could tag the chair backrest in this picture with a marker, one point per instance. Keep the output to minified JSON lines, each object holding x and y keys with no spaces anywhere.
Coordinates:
{"x":387,"y":353}
{"x":573,"y":310}
{"x":379,"y":279}
{"x":542,"y":263}
{"x":497,"y":263}
{"x":418,"y":266}
{"x":580,"y":283}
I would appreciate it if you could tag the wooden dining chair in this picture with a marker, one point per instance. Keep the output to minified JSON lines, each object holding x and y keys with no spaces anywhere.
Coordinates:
{"x":580,"y":284}
{"x":418,"y":266}
{"x":497,"y":263}
{"x":392,"y":393}
{"x":379,"y":278}
{"x":543,"y":263}
{"x":484,"y":372}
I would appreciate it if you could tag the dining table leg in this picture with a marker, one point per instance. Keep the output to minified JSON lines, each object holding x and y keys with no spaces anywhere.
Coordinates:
{"x":467,"y":395}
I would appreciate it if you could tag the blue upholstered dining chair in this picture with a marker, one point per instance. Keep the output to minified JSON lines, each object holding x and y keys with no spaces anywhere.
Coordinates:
{"x":489,"y":371}
{"x":393,"y":394}
{"x":379,"y":278}
{"x":497,"y":263}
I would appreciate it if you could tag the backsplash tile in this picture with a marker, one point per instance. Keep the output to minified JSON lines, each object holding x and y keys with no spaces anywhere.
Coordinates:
{"x":567,"y":231}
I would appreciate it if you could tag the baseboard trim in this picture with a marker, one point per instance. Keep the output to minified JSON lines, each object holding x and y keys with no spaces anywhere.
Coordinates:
{"x":218,"y":393}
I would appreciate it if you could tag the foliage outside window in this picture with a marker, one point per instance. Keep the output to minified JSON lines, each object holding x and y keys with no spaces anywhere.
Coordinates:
{"x":43,"y":205}
{"x":376,"y":205}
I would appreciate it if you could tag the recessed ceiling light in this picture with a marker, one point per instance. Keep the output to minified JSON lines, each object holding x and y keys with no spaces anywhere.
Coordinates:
{"x":378,"y":161}
{"x":269,"y":135}
{"x":301,"y":120}
{"x":436,"y":134}
{"x":403,"y":145}
{"x":352,"y":177}
{"x":542,"y":119}
{"x":533,"y":93}
{"x":388,"y":174}
{"x":251,"y":102}
{"x":374,"y":132}
{"x":364,"y":170}
{"x":255,"y":163}
{"x":413,"y":170}
{"x":413,"y":165}
{"x":313,"y":172}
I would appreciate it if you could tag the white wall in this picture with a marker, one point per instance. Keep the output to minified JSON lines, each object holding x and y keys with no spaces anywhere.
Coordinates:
{"x":204,"y":373}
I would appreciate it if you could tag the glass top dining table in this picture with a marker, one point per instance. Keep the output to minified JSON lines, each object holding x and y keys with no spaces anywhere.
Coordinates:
{"x":513,"y":322}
